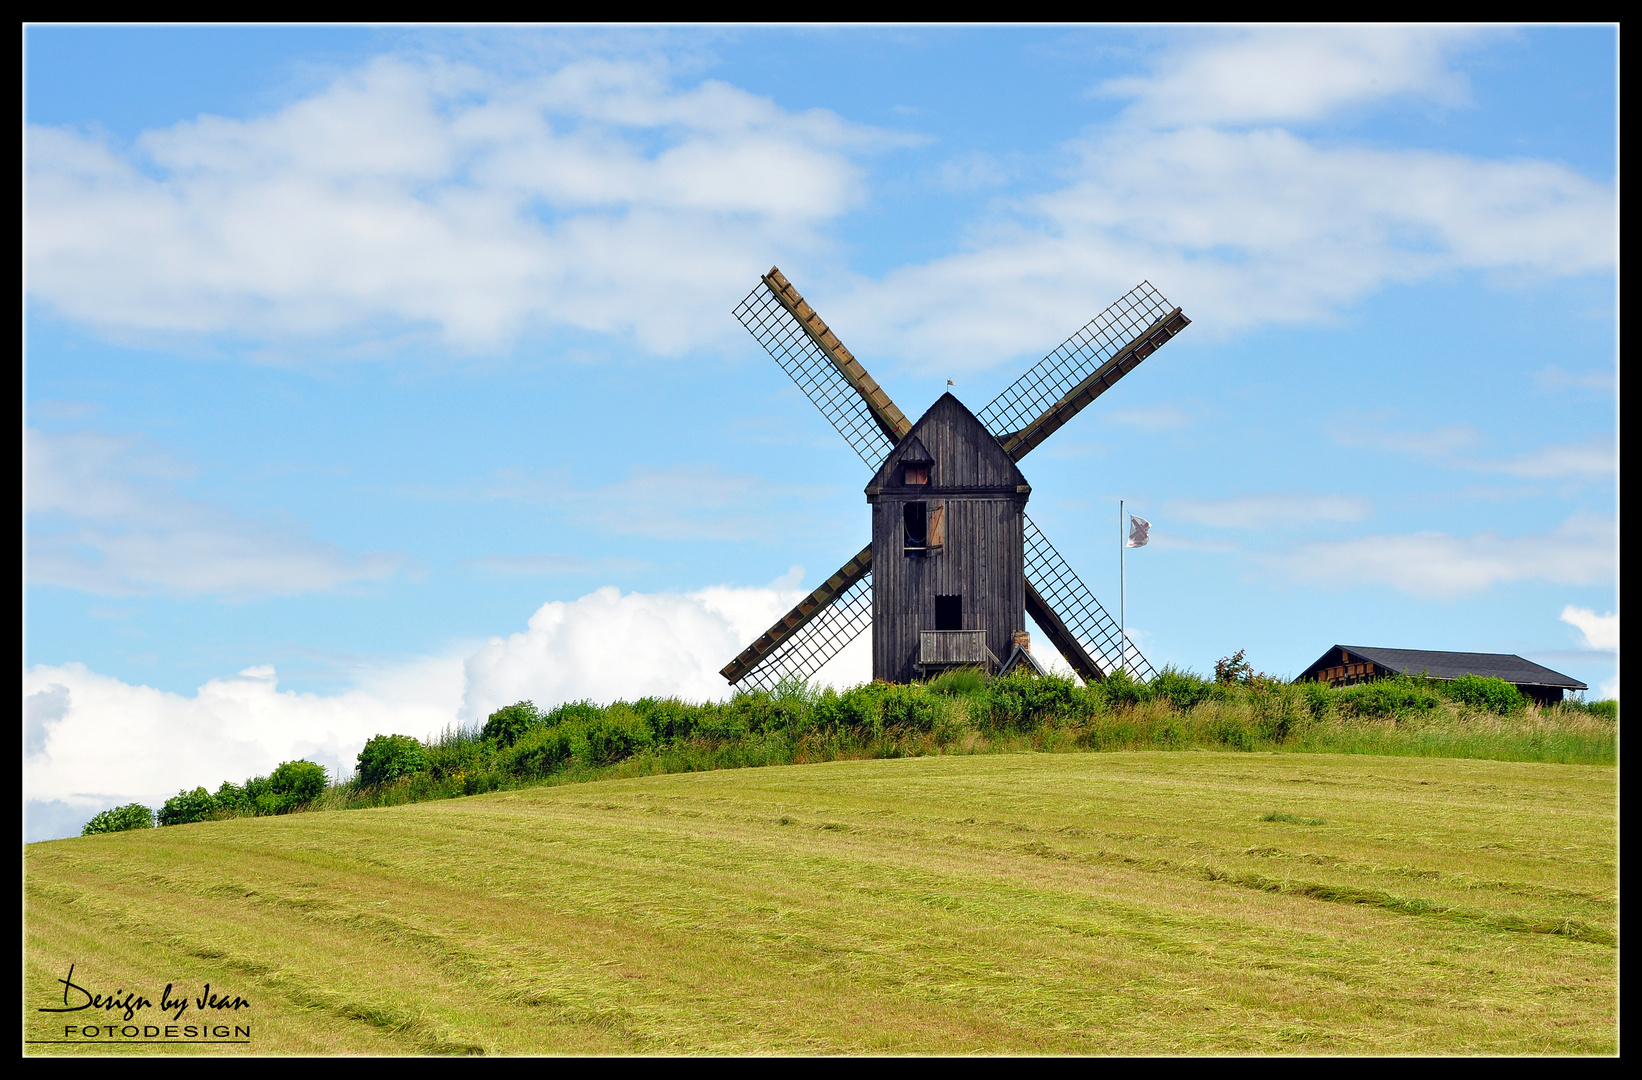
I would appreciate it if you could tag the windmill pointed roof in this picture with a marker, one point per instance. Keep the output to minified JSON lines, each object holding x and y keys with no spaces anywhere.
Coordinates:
{"x":956,"y":422}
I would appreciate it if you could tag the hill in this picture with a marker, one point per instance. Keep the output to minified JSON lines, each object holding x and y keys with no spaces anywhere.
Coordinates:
{"x":1143,"y":902}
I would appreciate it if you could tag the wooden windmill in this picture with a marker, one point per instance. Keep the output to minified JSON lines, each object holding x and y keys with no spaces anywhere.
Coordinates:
{"x":955,"y":564}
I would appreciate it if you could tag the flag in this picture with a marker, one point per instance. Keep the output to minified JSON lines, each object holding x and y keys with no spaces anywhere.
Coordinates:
{"x":949,"y":382}
{"x":1138,"y":528}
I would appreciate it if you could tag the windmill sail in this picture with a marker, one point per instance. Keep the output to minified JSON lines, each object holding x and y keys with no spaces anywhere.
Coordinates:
{"x":1085,"y":366}
{"x":1065,"y":610}
{"x":797,"y":645}
{"x":808,"y":351}
{"x":806,"y":649}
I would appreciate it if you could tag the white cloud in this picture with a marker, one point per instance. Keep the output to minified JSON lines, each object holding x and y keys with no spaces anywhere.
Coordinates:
{"x":424,"y":195}
{"x":97,"y":740}
{"x":1286,"y":74}
{"x":105,"y":515}
{"x":1555,"y":378}
{"x":1580,"y":551}
{"x":1238,"y":228}
{"x":682,"y":502}
{"x":1270,"y":511}
{"x":92,"y":741}
{"x":1599,"y":631}
{"x":1596,"y":458}
{"x":410,"y":198}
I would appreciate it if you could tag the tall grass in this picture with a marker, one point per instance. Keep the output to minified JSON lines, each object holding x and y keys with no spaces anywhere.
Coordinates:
{"x":964,"y":712}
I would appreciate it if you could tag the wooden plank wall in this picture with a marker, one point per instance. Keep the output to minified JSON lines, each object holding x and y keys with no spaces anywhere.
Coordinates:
{"x":983,"y":557}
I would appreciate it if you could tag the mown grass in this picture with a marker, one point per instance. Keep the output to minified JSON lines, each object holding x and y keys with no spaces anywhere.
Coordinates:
{"x":1136,"y":902}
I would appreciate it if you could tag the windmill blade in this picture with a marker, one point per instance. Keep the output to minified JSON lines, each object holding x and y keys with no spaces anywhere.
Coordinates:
{"x":1065,"y":610}
{"x":1085,"y":366}
{"x":813,"y":632}
{"x":854,"y":403}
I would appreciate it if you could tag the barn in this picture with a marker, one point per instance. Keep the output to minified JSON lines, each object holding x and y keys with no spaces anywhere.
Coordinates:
{"x":1344,"y":665}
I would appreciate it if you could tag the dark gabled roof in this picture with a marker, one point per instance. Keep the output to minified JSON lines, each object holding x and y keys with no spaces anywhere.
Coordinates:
{"x":1451,"y":665}
{"x":954,"y":415}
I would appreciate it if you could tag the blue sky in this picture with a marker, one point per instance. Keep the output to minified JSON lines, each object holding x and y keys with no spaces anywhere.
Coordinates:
{"x":375,"y":378}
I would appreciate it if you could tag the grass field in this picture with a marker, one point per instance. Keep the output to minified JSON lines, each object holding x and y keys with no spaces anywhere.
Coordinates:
{"x":1152,"y":902}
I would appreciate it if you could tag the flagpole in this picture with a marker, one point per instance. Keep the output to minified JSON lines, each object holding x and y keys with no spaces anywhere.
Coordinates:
{"x":1122,"y":597}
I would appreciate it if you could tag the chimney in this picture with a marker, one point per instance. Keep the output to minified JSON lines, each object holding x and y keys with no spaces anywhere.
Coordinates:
{"x":1024,"y":640}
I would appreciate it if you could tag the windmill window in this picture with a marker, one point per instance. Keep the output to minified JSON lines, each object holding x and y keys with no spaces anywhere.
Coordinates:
{"x":949,"y":613}
{"x":915,"y":519}
{"x":915,"y":474}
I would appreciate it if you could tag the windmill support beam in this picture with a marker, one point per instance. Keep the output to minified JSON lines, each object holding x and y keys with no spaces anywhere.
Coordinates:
{"x":1020,"y":443}
{"x":795,"y":620}
{"x":1061,"y":637}
{"x":893,"y":422}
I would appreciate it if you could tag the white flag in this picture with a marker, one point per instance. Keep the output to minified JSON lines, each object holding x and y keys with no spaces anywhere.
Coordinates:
{"x":1138,"y":528}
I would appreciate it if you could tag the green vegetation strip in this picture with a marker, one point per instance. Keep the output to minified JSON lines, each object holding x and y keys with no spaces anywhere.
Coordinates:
{"x":1137,"y":902}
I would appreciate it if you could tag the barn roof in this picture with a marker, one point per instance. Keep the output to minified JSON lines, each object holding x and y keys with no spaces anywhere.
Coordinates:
{"x":1450,"y":665}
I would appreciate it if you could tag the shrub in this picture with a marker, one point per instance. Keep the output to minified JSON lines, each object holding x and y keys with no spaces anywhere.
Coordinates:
{"x":619,"y":733}
{"x":232,"y":798}
{"x":1119,"y":689}
{"x":1233,"y":668}
{"x":1387,"y":697}
{"x":1182,"y":689}
{"x":573,"y":712}
{"x":293,"y":784}
{"x":1482,"y":692}
{"x":543,"y":750}
{"x":188,"y":806}
{"x":507,"y":724}
{"x":1020,"y":701}
{"x":963,"y":681}
{"x":388,"y":757}
{"x":1608,"y":710}
{"x":120,"y":819}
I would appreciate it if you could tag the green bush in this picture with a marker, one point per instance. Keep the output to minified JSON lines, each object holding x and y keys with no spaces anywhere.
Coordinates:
{"x":1021,"y":700}
{"x":619,"y":733}
{"x":388,"y":757}
{"x":188,"y":806}
{"x":543,"y":750}
{"x":506,"y":725}
{"x":1484,"y":692}
{"x":293,"y":784}
{"x":1608,"y":710}
{"x":120,"y":819}
{"x":1387,"y":697}
{"x":964,"y":681}
{"x":1118,"y":690}
{"x":572,"y":712}
{"x":1182,"y":689}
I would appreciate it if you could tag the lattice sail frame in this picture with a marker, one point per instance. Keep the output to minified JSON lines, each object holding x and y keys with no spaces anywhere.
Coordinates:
{"x":817,"y":641}
{"x":1078,"y":357}
{"x":785,"y":339}
{"x":1077,"y":607}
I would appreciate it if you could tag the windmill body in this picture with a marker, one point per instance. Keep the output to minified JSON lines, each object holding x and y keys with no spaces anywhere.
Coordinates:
{"x":948,"y":554}
{"x":955,"y":564}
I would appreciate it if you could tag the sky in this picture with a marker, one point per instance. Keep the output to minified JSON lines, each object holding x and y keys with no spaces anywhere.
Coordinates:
{"x":379,"y":377}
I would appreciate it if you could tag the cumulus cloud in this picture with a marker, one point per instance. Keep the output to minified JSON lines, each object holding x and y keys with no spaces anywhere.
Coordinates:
{"x":1271,"y":510}
{"x":1581,"y":551}
{"x":1599,"y":631}
{"x":425,"y":195}
{"x":106,"y":516}
{"x":92,"y":741}
{"x":1288,"y":74}
{"x":426,"y":198}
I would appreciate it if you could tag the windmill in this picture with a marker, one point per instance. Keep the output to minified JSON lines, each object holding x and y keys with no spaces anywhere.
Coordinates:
{"x":948,"y":506}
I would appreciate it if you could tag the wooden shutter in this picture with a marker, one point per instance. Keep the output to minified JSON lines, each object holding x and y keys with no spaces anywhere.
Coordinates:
{"x":937,"y":524}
